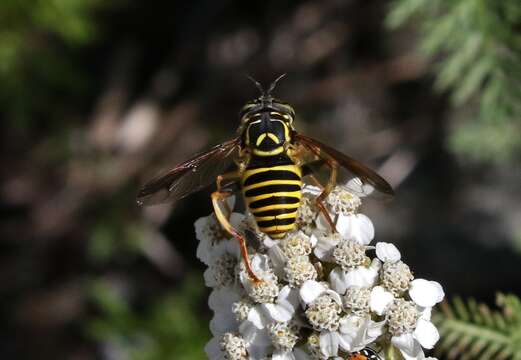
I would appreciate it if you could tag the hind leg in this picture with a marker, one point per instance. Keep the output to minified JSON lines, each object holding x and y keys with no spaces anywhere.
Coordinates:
{"x":326,"y":190}
{"x":218,"y":197}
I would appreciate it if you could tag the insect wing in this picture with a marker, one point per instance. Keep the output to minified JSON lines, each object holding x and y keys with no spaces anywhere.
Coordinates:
{"x":189,"y":176}
{"x":366,"y":180}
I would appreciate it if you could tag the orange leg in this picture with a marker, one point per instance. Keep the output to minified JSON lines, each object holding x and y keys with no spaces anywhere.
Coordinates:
{"x":325,"y":192}
{"x":217,"y":197}
{"x":316,"y":182}
{"x":227,"y":176}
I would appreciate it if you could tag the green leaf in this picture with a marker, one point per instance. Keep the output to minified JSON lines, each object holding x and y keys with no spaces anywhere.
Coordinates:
{"x":470,"y":330}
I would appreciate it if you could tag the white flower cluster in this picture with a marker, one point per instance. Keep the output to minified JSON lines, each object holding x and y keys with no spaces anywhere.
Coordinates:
{"x":321,"y":296}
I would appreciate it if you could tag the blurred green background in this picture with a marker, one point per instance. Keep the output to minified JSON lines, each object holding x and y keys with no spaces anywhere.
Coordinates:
{"x":97,"y":96}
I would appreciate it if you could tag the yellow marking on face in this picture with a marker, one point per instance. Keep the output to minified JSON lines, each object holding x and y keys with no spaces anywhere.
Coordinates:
{"x":270,"y":135}
{"x":274,"y":138}
{"x":260,"y":139}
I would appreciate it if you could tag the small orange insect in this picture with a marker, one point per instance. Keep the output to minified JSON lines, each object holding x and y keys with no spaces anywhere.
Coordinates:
{"x":364,"y":354}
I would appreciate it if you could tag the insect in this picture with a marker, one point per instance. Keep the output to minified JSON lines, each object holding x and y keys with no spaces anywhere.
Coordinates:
{"x":364,"y":354}
{"x":269,"y":158}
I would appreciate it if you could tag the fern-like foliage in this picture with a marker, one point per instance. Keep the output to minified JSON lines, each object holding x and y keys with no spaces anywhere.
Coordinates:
{"x":470,"y":330}
{"x":477,"y":48}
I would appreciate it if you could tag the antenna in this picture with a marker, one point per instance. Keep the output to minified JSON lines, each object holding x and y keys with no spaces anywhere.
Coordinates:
{"x":274,"y":83}
{"x":257,"y":84}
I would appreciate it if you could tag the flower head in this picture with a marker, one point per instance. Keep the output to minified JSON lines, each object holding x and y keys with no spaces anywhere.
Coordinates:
{"x":233,"y":347}
{"x":323,"y":292}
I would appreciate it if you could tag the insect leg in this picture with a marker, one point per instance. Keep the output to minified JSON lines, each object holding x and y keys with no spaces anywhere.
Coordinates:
{"x":315,"y":181}
{"x":329,"y":161}
{"x":218,"y":196}
{"x":325,"y":192}
{"x":229,"y":176}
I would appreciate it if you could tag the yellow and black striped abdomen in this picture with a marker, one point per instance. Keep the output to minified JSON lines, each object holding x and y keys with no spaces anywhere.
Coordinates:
{"x":273,"y":195}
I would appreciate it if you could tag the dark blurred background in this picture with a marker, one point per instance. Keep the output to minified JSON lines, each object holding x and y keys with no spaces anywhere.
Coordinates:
{"x":97,"y":96}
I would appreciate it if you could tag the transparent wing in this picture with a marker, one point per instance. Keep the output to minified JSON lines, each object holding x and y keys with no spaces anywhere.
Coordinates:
{"x":190,"y":176}
{"x":365,"y":181}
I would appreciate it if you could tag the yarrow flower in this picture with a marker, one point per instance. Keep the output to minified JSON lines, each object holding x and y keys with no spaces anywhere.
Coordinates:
{"x":323,"y":294}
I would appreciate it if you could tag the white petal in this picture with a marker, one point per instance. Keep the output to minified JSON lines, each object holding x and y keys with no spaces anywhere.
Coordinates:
{"x":260,"y":262}
{"x":404,"y":342}
{"x":357,"y":332}
{"x":283,"y":355}
{"x":349,"y":329}
{"x":408,"y":346}
{"x":269,"y":242}
{"x":236,"y":219}
{"x":334,"y":295}
{"x":426,"y":314}
{"x":203,"y":252}
{"x":278,"y":259}
{"x":380,"y":299}
{"x":310,"y":189}
{"x":337,"y":279}
{"x":321,"y":222}
{"x":209,"y":278}
{"x":232,"y":247}
{"x":222,"y":299}
{"x":375,"y":330}
{"x":359,"y":188}
{"x":284,"y":308}
{"x":288,"y":294}
{"x":257,"y":318}
{"x":223,"y":322}
{"x":426,"y":334}
{"x":249,"y":331}
{"x":329,"y":343}
{"x":314,"y":240}
{"x":213,"y":349}
{"x":355,"y":227}
{"x":278,"y":313}
{"x":310,"y":290}
{"x":387,"y":252}
{"x":325,"y":246}
{"x":206,"y":240}
{"x":301,"y":354}
{"x":201,"y":224}
{"x":426,"y":293}
{"x":361,"y":277}
{"x":259,"y":345}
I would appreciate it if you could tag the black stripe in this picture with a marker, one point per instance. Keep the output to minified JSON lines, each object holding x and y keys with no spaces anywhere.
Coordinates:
{"x":274,"y":212}
{"x":271,"y":175}
{"x":269,"y":189}
{"x":274,"y":222}
{"x":274,"y":200}
{"x":269,"y":161}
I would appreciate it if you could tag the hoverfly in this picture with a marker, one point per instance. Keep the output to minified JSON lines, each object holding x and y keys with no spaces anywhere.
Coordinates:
{"x":364,"y":354}
{"x":270,"y":156}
